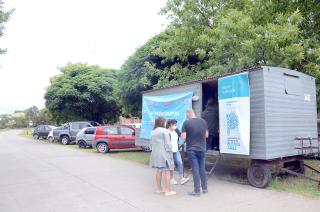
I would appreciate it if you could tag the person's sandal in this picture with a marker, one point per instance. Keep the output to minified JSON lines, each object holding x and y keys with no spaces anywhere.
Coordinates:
{"x":170,"y":193}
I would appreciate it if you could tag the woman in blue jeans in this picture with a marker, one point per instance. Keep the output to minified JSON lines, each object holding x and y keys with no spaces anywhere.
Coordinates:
{"x":174,"y":137}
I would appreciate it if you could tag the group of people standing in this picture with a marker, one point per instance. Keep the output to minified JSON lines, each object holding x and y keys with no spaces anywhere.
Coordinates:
{"x":165,"y":152}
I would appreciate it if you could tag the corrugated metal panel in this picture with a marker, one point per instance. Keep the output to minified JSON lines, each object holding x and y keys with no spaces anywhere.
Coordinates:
{"x":257,"y":115}
{"x":287,"y":116}
{"x":276,"y":117}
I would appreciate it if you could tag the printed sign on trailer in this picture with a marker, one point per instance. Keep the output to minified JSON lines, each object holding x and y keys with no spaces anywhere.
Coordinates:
{"x":234,"y":114}
{"x":169,"y":106}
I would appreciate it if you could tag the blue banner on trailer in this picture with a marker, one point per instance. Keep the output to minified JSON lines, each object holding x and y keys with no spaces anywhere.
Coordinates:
{"x":170,"y":107}
{"x":234,"y":114}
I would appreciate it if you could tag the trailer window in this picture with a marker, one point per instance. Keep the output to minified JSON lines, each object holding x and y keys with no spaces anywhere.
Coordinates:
{"x":292,"y":85}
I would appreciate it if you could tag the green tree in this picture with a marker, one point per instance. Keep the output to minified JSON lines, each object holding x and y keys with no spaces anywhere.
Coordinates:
{"x":211,"y":37}
{"x":4,"y":17}
{"x":4,"y":120}
{"x":37,"y":116}
{"x":214,"y":36}
{"x":222,"y":36}
{"x":82,"y":92}
{"x":18,"y":120}
{"x":135,"y":75}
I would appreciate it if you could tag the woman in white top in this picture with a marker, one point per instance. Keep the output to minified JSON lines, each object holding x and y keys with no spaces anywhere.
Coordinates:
{"x":172,"y":127}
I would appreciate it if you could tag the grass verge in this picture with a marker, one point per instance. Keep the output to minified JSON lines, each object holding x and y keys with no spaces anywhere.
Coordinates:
{"x":133,"y":155}
{"x":3,"y":130}
{"x":136,"y":156}
{"x":295,"y":185}
{"x":299,"y":185}
{"x":26,"y":132}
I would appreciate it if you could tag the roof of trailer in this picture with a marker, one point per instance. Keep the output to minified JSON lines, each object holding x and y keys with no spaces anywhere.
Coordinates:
{"x":209,"y":79}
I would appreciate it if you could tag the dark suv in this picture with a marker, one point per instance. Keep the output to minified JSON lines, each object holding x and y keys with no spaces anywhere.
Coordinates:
{"x":42,"y":131}
{"x":68,"y":132}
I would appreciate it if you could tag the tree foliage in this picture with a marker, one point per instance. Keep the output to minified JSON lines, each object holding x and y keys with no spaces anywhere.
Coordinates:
{"x":23,"y":118}
{"x":4,"y":17}
{"x":135,"y":76}
{"x":210,"y":37}
{"x":82,"y":92}
{"x":214,"y":36}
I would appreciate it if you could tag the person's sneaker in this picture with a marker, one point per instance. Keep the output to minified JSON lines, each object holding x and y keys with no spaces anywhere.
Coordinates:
{"x":184,"y":180}
{"x":173,"y":182}
{"x":170,"y":193}
{"x":194,"y":194}
{"x":160,"y":192}
{"x":205,"y":191}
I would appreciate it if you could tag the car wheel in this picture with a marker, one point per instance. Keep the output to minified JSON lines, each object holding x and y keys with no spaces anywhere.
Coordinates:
{"x":51,"y":139}
{"x":82,"y":144}
{"x":102,"y":147}
{"x":36,"y":136}
{"x":65,"y":140}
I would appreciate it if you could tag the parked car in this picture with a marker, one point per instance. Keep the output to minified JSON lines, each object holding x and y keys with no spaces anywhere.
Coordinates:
{"x":134,"y":125}
{"x":113,"y":137}
{"x":67,"y":133}
{"x":50,"y":137}
{"x":85,"y":136}
{"x":42,"y":131}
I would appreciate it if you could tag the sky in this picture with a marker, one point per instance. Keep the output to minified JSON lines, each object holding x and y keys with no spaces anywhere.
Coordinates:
{"x":43,"y":35}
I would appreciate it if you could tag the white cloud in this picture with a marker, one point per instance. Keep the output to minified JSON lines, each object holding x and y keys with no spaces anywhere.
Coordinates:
{"x":45,"y":34}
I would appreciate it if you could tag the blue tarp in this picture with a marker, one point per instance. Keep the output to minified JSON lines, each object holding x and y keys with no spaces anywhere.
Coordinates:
{"x":170,"y":107}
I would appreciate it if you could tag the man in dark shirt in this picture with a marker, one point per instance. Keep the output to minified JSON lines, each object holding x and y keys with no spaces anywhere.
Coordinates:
{"x":195,"y":132}
{"x":211,"y":115}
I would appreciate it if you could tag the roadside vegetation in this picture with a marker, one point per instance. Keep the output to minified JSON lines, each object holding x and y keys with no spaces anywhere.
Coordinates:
{"x":26,"y":132}
{"x":3,"y":130}
{"x":299,"y":185}
{"x":132,"y":155}
{"x":295,"y":185}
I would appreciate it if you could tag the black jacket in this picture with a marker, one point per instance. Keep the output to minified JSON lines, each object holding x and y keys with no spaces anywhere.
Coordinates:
{"x":211,"y":115}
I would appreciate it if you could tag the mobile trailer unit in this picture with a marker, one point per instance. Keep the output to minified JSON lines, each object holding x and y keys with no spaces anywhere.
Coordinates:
{"x":283,"y":117}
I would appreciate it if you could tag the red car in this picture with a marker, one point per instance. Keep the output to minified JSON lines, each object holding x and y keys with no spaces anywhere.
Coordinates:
{"x":113,"y":137}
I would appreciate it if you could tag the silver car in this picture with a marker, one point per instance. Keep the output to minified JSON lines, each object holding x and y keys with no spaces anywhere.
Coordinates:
{"x":85,"y":136}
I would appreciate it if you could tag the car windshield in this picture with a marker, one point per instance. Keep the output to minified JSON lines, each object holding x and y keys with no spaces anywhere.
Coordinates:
{"x":94,"y":124}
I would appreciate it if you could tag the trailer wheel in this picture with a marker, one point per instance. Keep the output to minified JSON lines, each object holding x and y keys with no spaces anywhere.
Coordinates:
{"x":146,"y":149}
{"x":259,"y":175}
